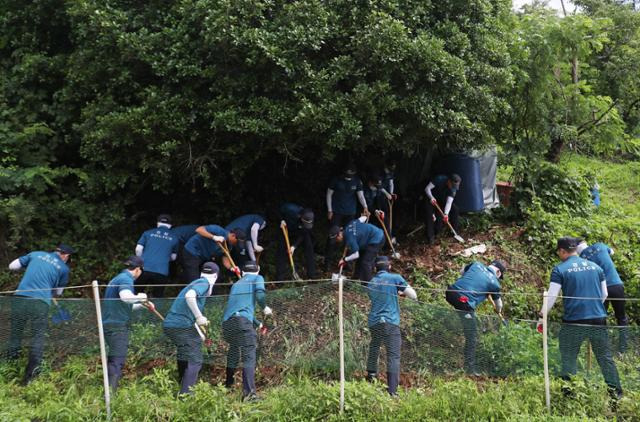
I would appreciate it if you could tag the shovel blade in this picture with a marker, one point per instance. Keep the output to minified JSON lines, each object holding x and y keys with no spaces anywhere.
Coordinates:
{"x":458,"y":238}
{"x":296,"y":276}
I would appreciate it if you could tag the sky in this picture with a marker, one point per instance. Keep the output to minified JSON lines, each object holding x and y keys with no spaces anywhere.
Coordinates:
{"x":554,"y":4}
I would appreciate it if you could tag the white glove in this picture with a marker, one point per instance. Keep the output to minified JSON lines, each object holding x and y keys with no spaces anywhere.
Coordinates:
{"x":258,"y":248}
{"x":218,"y":239}
{"x":267,"y":311}
{"x":202,"y":321}
{"x":283,"y":223}
{"x":292,"y":249}
{"x":141,"y":296}
{"x":388,"y":195}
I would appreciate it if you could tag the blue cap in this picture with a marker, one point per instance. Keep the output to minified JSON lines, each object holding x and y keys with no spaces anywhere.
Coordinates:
{"x":210,"y":268}
{"x":66,"y":249}
{"x":134,"y":262}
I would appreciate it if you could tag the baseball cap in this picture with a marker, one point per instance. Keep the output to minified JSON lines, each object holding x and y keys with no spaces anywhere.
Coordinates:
{"x":382,"y":262}
{"x":455,"y":179}
{"x":164,"y":218}
{"x":334,"y":231}
{"x":250,"y":267}
{"x":499,"y":264}
{"x":64,"y":248}
{"x":307,"y":217}
{"x":567,"y":243}
{"x":210,"y":268}
{"x":134,"y":261}
{"x":350,"y":169}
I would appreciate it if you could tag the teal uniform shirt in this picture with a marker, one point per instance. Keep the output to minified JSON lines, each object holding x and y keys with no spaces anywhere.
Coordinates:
{"x":358,"y":235}
{"x":115,"y":310}
{"x":344,"y":199}
{"x":159,"y":244}
{"x":383,"y":292}
{"x":205,"y":248}
{"x":601,"y":255}
{"x":244,"y":293}
{"x":184,"y":233}
{"x":180,"y":316}
{"x":476,"y":280}
{"x":580,"y":278}
{"x":44,"y":272}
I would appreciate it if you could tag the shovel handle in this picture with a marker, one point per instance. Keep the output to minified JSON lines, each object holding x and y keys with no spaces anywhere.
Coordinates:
{"x":448,"y":224}
{"x":386,"y":233}
{"x":225,"y":249}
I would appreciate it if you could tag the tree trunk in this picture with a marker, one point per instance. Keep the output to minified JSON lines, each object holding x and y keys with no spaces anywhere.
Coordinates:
{"x":556,"y":147}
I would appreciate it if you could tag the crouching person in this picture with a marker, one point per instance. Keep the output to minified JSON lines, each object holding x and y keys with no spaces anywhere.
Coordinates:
{"x":238,"y":327}
{"x":185,"y":323}
{"x":119,"y":302}
{"x":384,"y":321}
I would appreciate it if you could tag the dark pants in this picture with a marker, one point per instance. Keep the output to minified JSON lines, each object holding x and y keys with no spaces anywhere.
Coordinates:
{"x":469,"y":323}
{"x":190,"y":266}
{"x":189,"y":345}
{"x":282,"y":257}
{"x":617,"y":292}
{"x":338,"y":220}
{"x":243,"y":340}
{"x":366,"y":261}
{"x":149,"y":277}
{"x":434,"y":227}
{"x":117,"y":338}
{"x":389,"y":335}
{"x":573,"y":333}
{"x":31,"y":311}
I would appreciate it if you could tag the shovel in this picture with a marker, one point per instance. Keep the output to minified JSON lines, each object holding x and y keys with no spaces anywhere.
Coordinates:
{"x":335,"y":277}
{"x":504,"y":321}
{"x":225,"y":249}
{"x":61,"y":315}
{"x":285,"y":232}
{"x":153,"y":309}
{"x":455,"y":235}
{"x":395,"y":254}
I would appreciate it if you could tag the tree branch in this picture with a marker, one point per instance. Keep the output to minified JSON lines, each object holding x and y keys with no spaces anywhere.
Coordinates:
{"x":585,"y":126}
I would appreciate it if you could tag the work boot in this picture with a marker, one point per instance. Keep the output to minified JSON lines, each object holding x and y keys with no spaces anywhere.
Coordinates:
{"x":251,"y":397}
{"x":190,"y":377}
{"x":393,"y":379}
{"x":372,"y":376}
{"x":248,"y":381}
{"x":32,"y":371}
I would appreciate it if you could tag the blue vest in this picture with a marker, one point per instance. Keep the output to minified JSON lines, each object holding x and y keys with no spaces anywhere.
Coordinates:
{"x":205,"y":248}
{"x":372,"y":197}
{"x":441,"y":191}
{"x":344,"y":199}
{"x":476,"y":280}
{"x":290,"y":213}
{"x":243,"y":296}
{"x":115,"y":311}
{"x":45,"y":271}
{"x":358,"y":235}
{"x":180,"y":315}
{"x":600,"y":254}
{"x":159,"y":244}
{"x":580,"y":278}
{"x":383,"y":292}
{"x":245,"y":223}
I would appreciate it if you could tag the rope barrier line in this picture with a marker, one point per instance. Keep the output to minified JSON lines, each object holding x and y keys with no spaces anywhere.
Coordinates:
{"x":443,"y":290}
{"x":320,"y":280}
